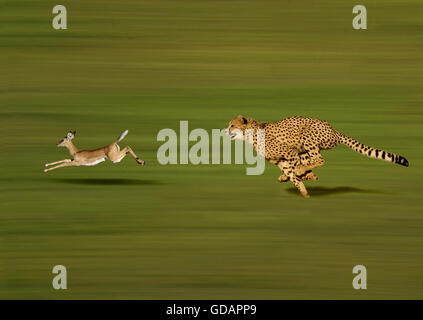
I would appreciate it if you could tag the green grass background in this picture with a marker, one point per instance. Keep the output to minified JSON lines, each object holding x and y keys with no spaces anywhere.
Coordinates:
{"x":209,"y":231}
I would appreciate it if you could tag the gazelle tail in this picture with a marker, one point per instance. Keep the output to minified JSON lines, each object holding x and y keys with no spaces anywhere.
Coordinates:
{"x":123,"y":134}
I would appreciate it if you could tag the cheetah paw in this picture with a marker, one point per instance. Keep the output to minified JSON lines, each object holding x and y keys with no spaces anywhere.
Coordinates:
{"x":283,"y":178}
{"x":310,"y":176}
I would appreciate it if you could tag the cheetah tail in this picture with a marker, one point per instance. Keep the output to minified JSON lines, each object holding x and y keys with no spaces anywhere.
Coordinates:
{"x":372,"y":152}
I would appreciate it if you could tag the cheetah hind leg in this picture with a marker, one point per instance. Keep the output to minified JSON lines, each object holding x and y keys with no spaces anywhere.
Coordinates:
{"x":304,"y":177}
{"x":305,"y":159}
{"x":308,"y":175}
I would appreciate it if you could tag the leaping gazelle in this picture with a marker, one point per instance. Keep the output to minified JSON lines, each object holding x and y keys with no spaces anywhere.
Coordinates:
{"x":92,"y":157}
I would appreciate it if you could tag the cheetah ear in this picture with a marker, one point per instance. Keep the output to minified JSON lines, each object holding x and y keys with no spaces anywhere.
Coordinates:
{"x":244,"y":121}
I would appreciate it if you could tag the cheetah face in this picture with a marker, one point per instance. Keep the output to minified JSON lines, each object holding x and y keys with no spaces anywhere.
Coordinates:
{"x":237,"y":127}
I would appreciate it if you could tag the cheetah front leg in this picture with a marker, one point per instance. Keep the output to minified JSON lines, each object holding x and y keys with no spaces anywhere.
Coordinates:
{"x":288,"y":167}
{"x":308,"y":175}
{"x":289,"y":172}
{"x":286,"y":158}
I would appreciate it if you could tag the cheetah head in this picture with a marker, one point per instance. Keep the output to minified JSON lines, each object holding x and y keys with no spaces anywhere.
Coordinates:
{"x":236,"y":128}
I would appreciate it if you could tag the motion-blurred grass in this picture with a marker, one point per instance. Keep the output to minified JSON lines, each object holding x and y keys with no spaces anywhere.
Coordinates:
{"x":125,"y":231}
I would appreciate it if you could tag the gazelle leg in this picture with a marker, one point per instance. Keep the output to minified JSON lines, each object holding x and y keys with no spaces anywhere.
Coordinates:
{"x":116,"y":156}
{"x":128,"y":149}
{"x":66,"y":164}
{"x":61,"y":161}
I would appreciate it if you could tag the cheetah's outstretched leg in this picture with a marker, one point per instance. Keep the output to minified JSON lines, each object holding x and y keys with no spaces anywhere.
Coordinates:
{"x":289,"y":171}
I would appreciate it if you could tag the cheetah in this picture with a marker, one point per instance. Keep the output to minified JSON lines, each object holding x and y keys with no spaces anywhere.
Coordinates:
{"x":294,"y":144}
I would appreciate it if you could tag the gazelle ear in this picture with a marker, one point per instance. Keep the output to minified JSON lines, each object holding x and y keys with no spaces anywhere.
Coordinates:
{"x":70,"y":135}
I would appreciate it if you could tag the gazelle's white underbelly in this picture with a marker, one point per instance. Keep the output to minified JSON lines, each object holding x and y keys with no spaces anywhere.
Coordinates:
{"x":94,"y":162}
{"x":118,"y":160}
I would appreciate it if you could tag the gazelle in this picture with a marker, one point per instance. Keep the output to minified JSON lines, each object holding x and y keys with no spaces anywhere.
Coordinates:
{"x":92,"y":157}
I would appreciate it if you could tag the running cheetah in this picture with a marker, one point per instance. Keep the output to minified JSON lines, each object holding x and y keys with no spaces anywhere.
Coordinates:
{"x":294,"y":144}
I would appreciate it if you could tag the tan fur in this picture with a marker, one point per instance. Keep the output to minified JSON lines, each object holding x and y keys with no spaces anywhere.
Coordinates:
{"x":91,"y":157}
{"x":294,"y":144}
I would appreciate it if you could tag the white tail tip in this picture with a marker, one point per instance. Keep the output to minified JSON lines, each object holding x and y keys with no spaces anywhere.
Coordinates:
{"x":122,"y":135}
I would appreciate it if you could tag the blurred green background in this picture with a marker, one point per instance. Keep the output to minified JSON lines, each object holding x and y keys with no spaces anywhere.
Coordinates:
{"x":208,"y":231}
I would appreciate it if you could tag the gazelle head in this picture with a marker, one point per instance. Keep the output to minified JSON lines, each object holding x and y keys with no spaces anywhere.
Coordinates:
{"x":70,"y":135}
